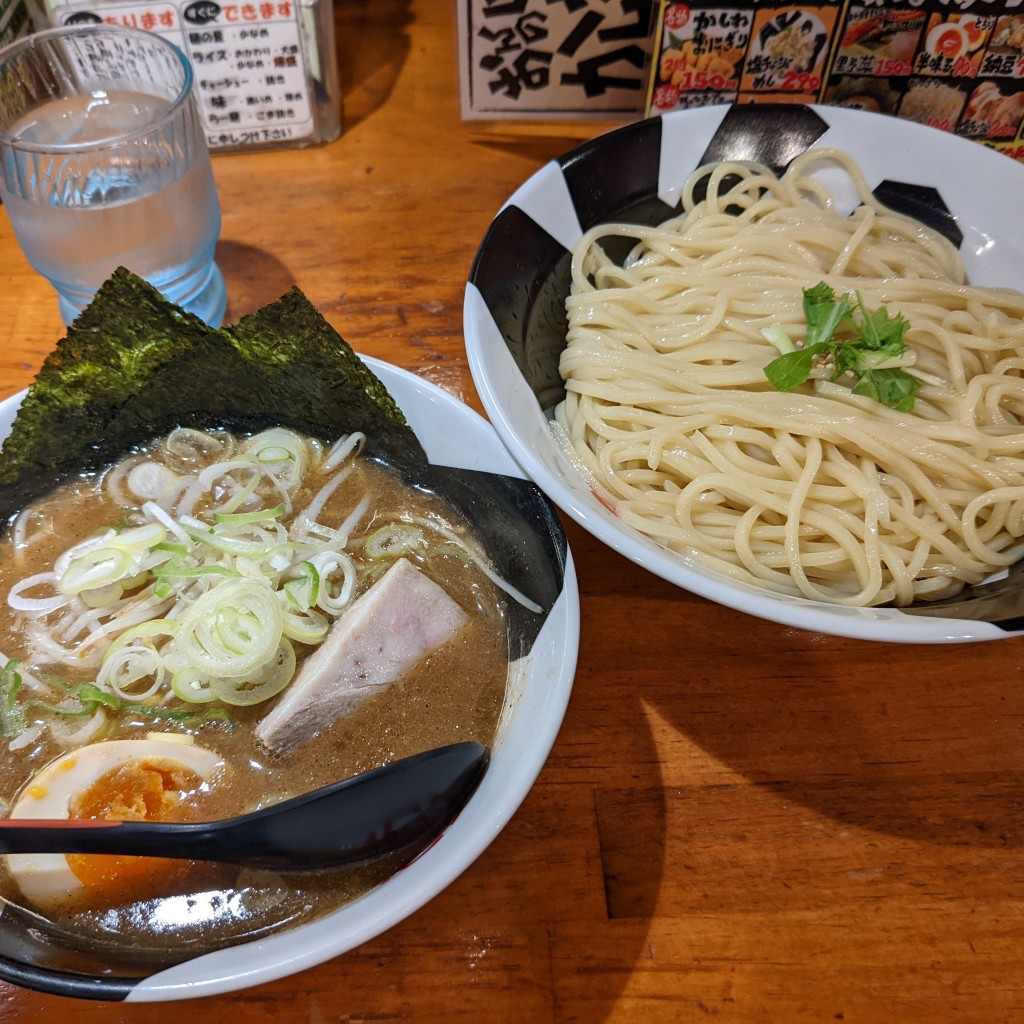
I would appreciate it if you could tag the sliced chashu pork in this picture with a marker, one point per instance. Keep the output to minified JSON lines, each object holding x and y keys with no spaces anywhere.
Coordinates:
{"x":401,"y":619}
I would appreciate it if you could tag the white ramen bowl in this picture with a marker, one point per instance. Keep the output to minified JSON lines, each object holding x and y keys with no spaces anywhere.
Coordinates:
{"x":540,"y":681}
{"x":515,"y":318}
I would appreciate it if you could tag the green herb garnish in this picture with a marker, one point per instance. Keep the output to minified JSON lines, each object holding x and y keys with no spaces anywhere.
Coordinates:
{"x":845,"y":336}
{"x":84,"y":699}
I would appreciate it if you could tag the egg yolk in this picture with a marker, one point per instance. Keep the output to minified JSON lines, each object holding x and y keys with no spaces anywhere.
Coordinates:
{"x":148,"y":790}
{"x":949,"y":44}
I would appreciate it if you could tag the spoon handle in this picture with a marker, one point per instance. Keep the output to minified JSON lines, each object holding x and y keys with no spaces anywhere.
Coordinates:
{"x":399,"y":807}
{"x":122,"y":838}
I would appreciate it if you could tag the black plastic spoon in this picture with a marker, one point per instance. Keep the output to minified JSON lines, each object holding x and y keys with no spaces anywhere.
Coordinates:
{"x":400,"y":806}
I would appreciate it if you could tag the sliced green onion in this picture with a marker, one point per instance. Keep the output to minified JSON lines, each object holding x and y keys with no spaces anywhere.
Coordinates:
{"x":302,"y":592}
{"x":208,"y":477}
{"x":281,"y":557}
{"x":140,"y":579}
{"x":174,"y":549}
{"x":139,"y":538}
{"x":154,"y":511}
{"x":305,"y":627}
{"x":255,"y":541}
{"x":12,"y":715}
{"x":327,"y":563}
{"x":279,"y":446}
{"x":83,"y":699}
{"x":125,"y":669}
{"x":229,"y":545}
{"x":103,"y":597}
{"x":239,"y":588}
{"x":189,"y":442}
{"x":95,"y":568}
{"x":188,"y":685}
{"x":231,"y":630}
{"x":140,"y":635}
{"x":215,"y":714}
{"x":259,"y":516}
{"x":182,"y":570}
{"x":273,"y":454}
{"x":86,"y":699}
{"x":96,"y":541}
{"x":393,"y":541}
{"x":36,"y":605}
{"x":254,"y":688}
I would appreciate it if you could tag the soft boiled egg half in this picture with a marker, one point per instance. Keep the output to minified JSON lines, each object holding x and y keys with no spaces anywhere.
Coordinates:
{"x":152,"y":779}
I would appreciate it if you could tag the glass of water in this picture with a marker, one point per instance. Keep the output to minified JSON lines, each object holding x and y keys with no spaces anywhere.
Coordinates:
{"x":103,"y":163}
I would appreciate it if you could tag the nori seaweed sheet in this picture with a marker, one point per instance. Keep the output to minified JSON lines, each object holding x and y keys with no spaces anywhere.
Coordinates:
{"x":133,"y":366}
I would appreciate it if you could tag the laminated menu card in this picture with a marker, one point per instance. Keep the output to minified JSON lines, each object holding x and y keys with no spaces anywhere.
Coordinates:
{"x":266,"y":73}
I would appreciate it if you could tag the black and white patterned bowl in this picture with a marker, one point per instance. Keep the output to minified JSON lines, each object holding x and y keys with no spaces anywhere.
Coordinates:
{"x":522,"y":533}
{"x":515,"y":321}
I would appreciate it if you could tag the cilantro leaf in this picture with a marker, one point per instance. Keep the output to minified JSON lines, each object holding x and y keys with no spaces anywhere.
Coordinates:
{"x":871,"y":349}
{"x":878,"y":330}
{"x":787,"y":372}
{"x":892,"y":387}
{"x":823,"y":313}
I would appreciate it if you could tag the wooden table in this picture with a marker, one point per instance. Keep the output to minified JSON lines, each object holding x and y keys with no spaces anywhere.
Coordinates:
{"x":739,"y":821}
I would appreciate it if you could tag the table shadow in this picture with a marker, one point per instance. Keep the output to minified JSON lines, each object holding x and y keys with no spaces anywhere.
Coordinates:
{"x":248,"y":273}
{"x":368,"y":63}
{"x":880,"y":737}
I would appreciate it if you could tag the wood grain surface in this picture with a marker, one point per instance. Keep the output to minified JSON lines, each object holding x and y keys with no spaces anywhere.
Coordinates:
{"x":740,"y":821}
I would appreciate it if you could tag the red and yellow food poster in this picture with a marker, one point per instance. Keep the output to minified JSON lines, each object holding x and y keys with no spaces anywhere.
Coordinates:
{"x":954,"y":45}
{"x":702,"y":53}
{"x":788,"y":51}
{"x":957,"y":67}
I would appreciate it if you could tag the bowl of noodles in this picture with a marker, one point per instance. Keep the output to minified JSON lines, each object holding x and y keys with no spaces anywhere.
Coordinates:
{"x":774,"y":355}
{"x":126,"y":584}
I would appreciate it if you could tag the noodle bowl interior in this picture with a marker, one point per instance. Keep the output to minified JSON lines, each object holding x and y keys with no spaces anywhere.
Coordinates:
{"x":820,"y":491}
{"x":275,"y":539}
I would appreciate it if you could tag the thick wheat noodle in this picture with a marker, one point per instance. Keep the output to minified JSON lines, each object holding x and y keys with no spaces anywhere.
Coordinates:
{"x":820,"y":492}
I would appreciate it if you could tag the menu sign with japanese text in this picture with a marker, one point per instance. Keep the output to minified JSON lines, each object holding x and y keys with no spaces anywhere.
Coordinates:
{"x":551,"y":58}
{"x":249,"y":61}
{"x":958,"y":67}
